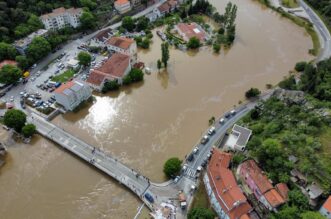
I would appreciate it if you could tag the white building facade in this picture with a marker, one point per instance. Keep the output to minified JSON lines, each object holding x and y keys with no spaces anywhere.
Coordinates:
{"x":71,"y":94}
{"x":61,"y":18}
{"x":124,"y":46}
{"x":122,"y":6}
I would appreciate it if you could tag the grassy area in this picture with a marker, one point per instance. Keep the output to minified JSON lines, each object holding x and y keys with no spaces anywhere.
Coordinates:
{"x":290,"y":3}
{"x":201,"y":198}
{"x":64,"y":77}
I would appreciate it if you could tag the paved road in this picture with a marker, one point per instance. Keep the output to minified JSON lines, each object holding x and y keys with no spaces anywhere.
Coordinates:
{"x":322,"y":30}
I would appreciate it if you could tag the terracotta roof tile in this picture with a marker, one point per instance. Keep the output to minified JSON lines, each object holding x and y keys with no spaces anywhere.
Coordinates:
{"x":192,"y":30}
{"x":96,"y":78}
{"x":282,"y":190}
{"x":7,"y":62}
{"x":101,"y":35}
{"x":327,"y":204}
{"x":63,"y":87}
{"x":121,"y":42}
{"x":121,"y":2}
{"x":274,"y":198}
{"x":225,"y":187}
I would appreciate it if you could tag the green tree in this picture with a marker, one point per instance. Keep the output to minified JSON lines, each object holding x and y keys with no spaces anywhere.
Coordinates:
{"x":34,"y":23}
{"x":84,"y":58}
{"x":193,"y":43}
{"x":89,"y":4}
{"x":165,"y":54}
{"x":216,"y":47}
{"x":296,"y":198}
{"x":127,"y":80}
{"x":300,"y":66}
{"x":38,"y":48}
{"x":15,"y":119}
{"x":22,"y":61}
{"x":136,"y":75}
{"x":128,"y":23}
{"x":144,"y":43}
{"x":10,"y":74}
{"x":287,"y":212}
{"x":88,"y":20}
{"x":200,"y":213}
{"x":142,"y":23}
{"x":253,"y":92}
{"x":311,"y":215}
{"x":28,"y":130}
{"x":7,"y":51}
{"x":172,"y":167}
{"x":110,"y":86}
{"x":159,"y":64}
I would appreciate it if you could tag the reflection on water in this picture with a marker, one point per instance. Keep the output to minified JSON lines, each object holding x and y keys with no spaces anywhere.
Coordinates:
{"x":146,"y":123}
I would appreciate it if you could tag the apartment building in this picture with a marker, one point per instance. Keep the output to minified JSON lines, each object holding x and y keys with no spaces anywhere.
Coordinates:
{"x":61,"y":17}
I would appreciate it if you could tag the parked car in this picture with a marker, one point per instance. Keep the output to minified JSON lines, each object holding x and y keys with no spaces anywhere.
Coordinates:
{"x":222,"y":120}
{"x":233,"y":112}
{"x":149,"y":197}
{"x":211,"y":131}
{"x":176,"y":179}
{"x":190,"y":157}
{"x":204,"y":139}
{"x":195,"y":150}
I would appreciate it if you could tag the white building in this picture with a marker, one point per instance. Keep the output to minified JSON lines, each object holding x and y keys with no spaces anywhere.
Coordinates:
{"x":238,"y":138}
{"x":99,"y":40}
{"x":123,"y":45}
{"x":61,"y":17}
{"x":326,"y":208}
{"x":22,"y":44}
{"x":71,"y":94}
{"x":122,"y":6}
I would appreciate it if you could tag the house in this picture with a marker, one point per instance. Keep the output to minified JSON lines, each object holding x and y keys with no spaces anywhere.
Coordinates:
{"x":22,"y":44}
{"x":326,"y":208}
{"x":122,"y":6}
{"x":61,"y":17}
{"x":224,"y":194}
{"x":314,"y":191}
{"x":7,"y":62}
{"x":298,"y":177}
{"x":123,"y":45}
{"x":259,"y":185}
{"x":187,"y":31}
{"x":99,"y":40}
{"x":283,"y":190}
{"x":71,"y":94}
{"x":166,"y":8}
{"x":238,"y":138}
{"x":152,"y":16}
{"x":115,"y":68}
{"x":135,"y":3}
{"x":73,"y":63}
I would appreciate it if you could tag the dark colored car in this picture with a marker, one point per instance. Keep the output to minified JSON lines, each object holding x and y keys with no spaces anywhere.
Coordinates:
{"x":149,"y":197}
{"x":190,"y":157}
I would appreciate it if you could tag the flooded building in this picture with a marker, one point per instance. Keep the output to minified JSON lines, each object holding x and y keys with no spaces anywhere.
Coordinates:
{"x":187,"y":31}
{"x":124,"y":46}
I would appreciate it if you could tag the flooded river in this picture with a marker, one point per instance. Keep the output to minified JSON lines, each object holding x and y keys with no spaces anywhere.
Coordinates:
{"x":149,"y":122}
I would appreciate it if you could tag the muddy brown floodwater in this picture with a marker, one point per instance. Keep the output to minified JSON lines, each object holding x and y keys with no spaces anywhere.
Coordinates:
{"x":149,"y":122}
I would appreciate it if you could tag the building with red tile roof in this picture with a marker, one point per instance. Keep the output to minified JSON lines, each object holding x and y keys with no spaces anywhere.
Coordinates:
{"x":7,"y":62}
{"x":115,"y":68}
{"x":283,"y":190}
{"x":71,"y":94}
{"x":225,"y":195}
{"x":326,"y":208}
{"x":260,"y":185}
{"x":123,"y":45}
{"x":122,"y":6}
{"x":187,"y":31}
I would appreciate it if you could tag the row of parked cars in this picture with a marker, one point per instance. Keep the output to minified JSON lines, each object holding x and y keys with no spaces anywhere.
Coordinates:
{"x":36,"y":101}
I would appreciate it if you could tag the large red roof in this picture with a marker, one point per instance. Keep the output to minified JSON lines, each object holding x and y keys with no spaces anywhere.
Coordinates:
{"x":224,"y":185}
{"x":7,"y":62}
{"x":121,"y":42}
{"x":192,"y":30}
{"x":65,"y":86}
{"x":327,"y":204}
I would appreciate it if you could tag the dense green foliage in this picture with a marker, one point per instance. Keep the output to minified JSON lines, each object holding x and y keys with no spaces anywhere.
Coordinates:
{"x":38,"y":48}
{"x":135,"y":75}
{"x":193,"y":43}
{"x":110,"y":86}
{"x":84,"y":58}
{"x":7,"y":51}
{"x":172,"y":167}
{"x":300,"y":66}
{"x":15,"y":119}
{"x":253,"y":92}
{"x":159,"y":64}
{"x":128,"y":23}
{"x":28,"y":130}
{"x":200,"y":213}
{"x":88,"y":20}
{"x":10,"y":74}
{"x":216,"y":47}
{"x":165,"y":54}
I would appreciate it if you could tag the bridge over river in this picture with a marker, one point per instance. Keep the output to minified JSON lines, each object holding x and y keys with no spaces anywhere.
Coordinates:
{"x":137,"y":183}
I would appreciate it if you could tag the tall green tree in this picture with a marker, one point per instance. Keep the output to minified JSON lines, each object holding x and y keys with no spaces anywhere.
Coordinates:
{"x":28,"y":130}
{"x":311,"y":215}
{"x":128,"y":23}
{"x":91,"y":4}
{"x":84,"y":58}
{"x":159,"y":64}
{"x":22,"y":62}
{"x":193,"y":43}
{"x":88,"y":20}
{"x":7,"y":51}
{"x":38,"y":48}
{"x":10,"y":74}
{"x":165,"y":54}
{"x":15,"y":119}
{"x":172,"y":167}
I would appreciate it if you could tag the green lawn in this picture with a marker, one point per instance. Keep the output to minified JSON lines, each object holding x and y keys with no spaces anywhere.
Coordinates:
{"x":64,"y":77}
{"x":290,"y":3}
{"x":201,"y":198}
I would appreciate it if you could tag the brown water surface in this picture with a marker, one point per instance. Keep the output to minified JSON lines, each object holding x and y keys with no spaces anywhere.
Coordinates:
{"x":149,"y":122}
